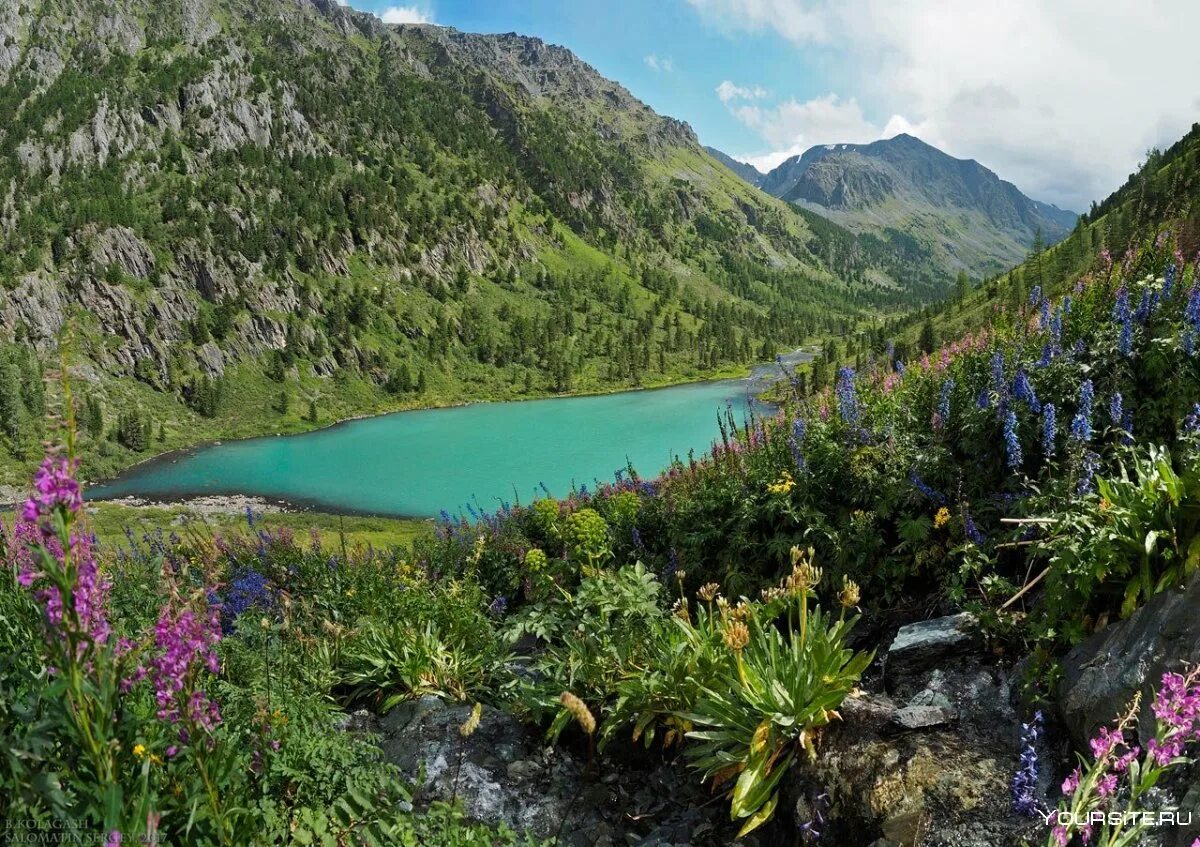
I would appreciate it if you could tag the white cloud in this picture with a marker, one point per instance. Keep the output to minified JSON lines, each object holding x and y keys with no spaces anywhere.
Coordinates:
{"x":406,"y":15}
{"x":791,"y":19}
{"x":1062,"y":97}
{"x":822,"y":120}
{"x":728,"y":91}
{"x":659,"y":63}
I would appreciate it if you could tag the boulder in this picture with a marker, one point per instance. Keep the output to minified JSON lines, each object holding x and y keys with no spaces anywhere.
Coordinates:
{"x":505,"y":772}
{"x":920,"y":646}
{"x":929,"y":761}
{"x":1101,"y":675}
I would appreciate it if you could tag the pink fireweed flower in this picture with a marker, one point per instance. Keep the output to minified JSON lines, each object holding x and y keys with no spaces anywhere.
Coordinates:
{"x":1071,"y":783}
{"x":1177,"y":703}
{"x":1164,"y":752}
{"x":186,"y":645}
{"x":1126,"y":759}
{"x":1107,"y":785}
{"x":1104,"y":743}
{"x":55,"y":488}
{"x":54,"y":485}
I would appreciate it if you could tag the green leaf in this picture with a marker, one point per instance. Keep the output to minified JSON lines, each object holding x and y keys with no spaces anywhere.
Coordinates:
{"x":760,"y":817}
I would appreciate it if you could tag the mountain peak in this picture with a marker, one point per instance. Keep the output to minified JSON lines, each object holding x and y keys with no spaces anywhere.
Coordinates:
{"x":745,"y":170}
{"x":903,"y":185}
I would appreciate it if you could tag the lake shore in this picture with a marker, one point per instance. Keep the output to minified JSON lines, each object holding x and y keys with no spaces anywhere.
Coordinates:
{"x":758,"y":379}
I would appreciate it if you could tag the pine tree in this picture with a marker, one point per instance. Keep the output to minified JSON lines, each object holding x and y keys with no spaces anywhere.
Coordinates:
{"x":93,"y":417}
{"x":961,"y":286}
{"x":11,"y":407}
{"x":928,"y":339}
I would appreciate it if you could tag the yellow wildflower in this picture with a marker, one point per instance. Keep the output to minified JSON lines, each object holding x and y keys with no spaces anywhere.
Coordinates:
{"x":941,"y":518}
{"x":579,"y":711}
{"x":472,"y":722}
{"x":783,"y":485}
{"x":708,"y":592}
{"x":736,"y":636}
{"x":850,"y":593}
{"x":139,"y":750}
{"x":771,"y":594}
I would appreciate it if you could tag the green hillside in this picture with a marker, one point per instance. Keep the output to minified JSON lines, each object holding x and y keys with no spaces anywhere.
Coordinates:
{"x":257,"y":217}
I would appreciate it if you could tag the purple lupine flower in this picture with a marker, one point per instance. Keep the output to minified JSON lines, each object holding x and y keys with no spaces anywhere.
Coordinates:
{"x":796,"y":441}
{"x":1044,"y":318}
{"x":672,"y":565}
{"x":248,"y":590}
{"x":1142,"y":312}
{"x":498,"y":606}
{"x":1024,"y":785}
{"x":635,"y":538}
{"x":1124,"y":322}
{"x":1012,"y":442}
{"x":972,"y":530}
{"x":1127,"y":428}
{"x":998,"y":381}
{"x":1035,"y":295}
{"x":1081,"y":424}
{"x":1023,"y":390}
{"x":1116,"y":405}
{"x":932,"y":493}
{"x":1087,"y":478}
{"x":944,"y":399}
{"x":1168,"y":281}
{"x":1191,"y":320}
{"x":847,"y":395}
{"x":1049,"y":428}
{"x":1191,"y":423}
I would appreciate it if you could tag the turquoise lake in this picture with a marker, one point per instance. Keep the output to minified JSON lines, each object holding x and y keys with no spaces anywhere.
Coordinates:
{"x":421,"y":462}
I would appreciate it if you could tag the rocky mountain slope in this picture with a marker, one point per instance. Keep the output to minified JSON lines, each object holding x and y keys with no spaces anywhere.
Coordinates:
{"x":241,"y":205}
{"x":1160,"y":201}
{"x":745,"y":170}
{"x":958,"y":212}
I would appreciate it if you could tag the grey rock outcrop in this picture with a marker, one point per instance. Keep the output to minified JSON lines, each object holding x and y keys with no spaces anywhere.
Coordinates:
{"x":505,"y":772}
{"x":923,"y":645}
{"x":1101,"y":675}
{"x":928,"y":762}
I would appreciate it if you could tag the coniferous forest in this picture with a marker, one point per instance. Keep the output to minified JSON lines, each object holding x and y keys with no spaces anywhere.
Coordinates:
{"x":936,"y":586}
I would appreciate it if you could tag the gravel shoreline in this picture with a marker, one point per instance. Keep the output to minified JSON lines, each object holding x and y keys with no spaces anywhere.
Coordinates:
{"x":230,"y":504}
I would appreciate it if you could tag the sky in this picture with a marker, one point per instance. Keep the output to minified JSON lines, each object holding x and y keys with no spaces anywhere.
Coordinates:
{"x":1061,"y":97}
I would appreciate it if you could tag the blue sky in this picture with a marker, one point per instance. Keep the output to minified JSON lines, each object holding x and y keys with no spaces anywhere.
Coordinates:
{"x":1061,"y":97}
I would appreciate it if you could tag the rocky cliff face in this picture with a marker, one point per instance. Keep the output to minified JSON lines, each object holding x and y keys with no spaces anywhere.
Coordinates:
{"x":165,"y":160}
